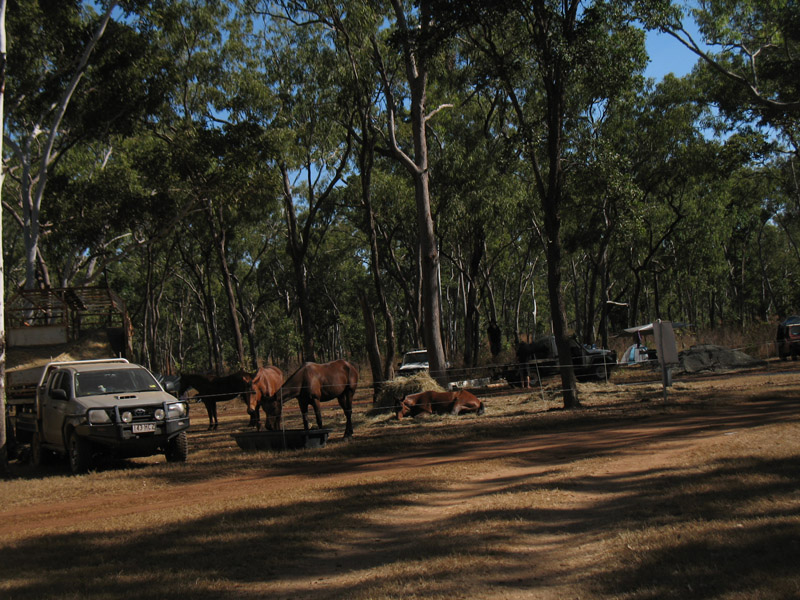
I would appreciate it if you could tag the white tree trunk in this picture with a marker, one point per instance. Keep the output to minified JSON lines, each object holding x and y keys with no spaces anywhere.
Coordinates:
{"x":35,"y":184}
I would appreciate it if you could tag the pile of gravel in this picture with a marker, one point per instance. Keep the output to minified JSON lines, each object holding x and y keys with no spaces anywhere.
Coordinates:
{"x":707,"y":357}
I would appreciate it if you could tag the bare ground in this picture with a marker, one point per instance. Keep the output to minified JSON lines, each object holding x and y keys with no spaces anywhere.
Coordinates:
{"x":630,"y":497}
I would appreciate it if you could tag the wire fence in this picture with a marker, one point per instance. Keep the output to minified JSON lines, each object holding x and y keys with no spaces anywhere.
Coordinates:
{"x":490,"y":380}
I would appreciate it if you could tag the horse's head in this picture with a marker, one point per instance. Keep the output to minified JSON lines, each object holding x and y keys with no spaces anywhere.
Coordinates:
{"x":273,"y":409}
{"x":400,"y":407}
{"x":250,"y":395}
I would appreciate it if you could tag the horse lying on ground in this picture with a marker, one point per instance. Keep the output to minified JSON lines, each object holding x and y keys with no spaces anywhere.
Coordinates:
{"x":263,"y":387}
{"x":440,"y":403}
{"x":212,"y":389}
{"x":314,"y":383}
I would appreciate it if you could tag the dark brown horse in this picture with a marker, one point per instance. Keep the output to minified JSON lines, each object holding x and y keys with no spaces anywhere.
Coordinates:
{"x":440,"y":403}
{"x":263,"y":387}
{"x":212,"y":389}
{"x":314,"y":383}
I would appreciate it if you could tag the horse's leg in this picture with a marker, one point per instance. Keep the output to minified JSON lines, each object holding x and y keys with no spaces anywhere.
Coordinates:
{"x":346,"y":402}
{"x":208,"y":404}
{"x":214,"y":412}
{"x":254,"y":408}
{"x":255,"y":418}
{"x":304,"y":411}
{"x":318,"y":412}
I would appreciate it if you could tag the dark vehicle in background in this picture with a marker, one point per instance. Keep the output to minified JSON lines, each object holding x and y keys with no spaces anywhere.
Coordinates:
{"x":788,"y":338}
{"x":539,"y":359}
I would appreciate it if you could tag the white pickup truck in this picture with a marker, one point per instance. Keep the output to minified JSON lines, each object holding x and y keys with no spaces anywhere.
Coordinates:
{"x":108,"y":407}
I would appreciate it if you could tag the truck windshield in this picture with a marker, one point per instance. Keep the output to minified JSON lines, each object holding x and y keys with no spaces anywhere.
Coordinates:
{"x":415,"y":357}
{"x":120,"y":381}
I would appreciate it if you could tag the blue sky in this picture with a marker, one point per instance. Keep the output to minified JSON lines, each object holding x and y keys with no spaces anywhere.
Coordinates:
{"x":667,"y":55}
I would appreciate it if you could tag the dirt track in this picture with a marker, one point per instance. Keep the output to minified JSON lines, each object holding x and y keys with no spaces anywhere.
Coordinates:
{"x":597,"y":469}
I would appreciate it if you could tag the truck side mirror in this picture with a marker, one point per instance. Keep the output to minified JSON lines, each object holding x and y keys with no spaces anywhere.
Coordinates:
{"x":58,"y":394}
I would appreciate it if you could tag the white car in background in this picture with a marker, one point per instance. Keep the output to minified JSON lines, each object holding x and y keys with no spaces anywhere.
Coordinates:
{"x":414,"y":362}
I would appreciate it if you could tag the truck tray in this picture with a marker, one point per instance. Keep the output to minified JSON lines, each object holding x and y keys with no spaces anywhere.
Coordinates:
{"x":289,"y":439}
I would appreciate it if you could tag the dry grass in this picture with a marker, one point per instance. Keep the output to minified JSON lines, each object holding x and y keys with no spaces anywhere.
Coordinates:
{"x":628,"y":498}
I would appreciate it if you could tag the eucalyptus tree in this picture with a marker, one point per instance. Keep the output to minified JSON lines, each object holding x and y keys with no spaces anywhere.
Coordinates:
{"x":355,"y":24}
{"x":476,"y":181}
{"x":74,"y":75}
{"x":748,"y":51}
{"x":308,"y":115}
{"x":417,"y":39}
{"x":553,"y":61}
{"x":748,"y":64}
{"x":3,"y":432}
{"x":212,"y":175}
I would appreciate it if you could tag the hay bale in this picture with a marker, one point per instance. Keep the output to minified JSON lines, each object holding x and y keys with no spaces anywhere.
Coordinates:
{"x":401,"y":386}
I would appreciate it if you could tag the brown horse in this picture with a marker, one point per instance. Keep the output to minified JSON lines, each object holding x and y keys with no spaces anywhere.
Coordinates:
{"x":431,"y":402}
{"x":211,"y":389}
{"x":314,"y":383}
{"x":263,"y":387}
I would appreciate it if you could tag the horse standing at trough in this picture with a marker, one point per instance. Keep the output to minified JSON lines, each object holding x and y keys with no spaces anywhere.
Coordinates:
{"x":211,"y":389}
{"x":440,"y":403}
{"x":314,"y":383}
{"x":263,"y":387}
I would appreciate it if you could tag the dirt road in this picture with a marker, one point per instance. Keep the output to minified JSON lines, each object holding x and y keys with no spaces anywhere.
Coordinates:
{"x":583,"y":504}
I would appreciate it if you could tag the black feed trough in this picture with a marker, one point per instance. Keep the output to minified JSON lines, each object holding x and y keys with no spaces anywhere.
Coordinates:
{"x":289,"y":439}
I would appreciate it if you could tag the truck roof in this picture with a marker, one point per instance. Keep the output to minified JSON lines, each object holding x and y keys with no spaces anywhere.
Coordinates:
{"x":87,"y":365}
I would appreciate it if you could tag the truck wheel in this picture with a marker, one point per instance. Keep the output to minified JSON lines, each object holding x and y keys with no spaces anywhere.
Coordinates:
{"x":79,"y":452}
{"x":177,"y":449}
{"x":601,"y":372}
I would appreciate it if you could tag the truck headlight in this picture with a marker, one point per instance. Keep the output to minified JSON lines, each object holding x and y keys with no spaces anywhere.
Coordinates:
{"x":97,"y":417}
{"x":158,"y":414}
{"x":176,"y":410}
{"x":126,"y":417}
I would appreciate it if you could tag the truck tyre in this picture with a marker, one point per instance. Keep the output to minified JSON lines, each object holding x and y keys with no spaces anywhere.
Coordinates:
{"x":79,"y":453}
{"x":177,"y":449}
{"x":601,"y":372}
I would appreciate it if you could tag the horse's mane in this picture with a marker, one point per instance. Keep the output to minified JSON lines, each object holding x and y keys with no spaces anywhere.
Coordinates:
{"x":290,"y":386}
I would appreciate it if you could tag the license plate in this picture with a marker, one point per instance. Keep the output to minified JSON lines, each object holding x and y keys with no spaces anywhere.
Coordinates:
{"x":144,"y":427}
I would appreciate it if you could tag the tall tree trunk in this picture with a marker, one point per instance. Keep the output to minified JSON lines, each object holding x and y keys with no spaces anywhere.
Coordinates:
{"x":33,"y":190}
{"x":558,"y":308}
{"x":605,"y":306}
{"x":373,"y":349}
{"x":417,"y":75}
{"x":296,"y":248}
{"x":215,"y":221}
{"x":3,"y":430}
{"x":552,"y":196}
{"x":365,"y":159}
{"x":472,"y":317}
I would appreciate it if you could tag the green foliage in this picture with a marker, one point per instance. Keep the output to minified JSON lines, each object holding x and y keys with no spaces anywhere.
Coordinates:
{"x":173,"y":184}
